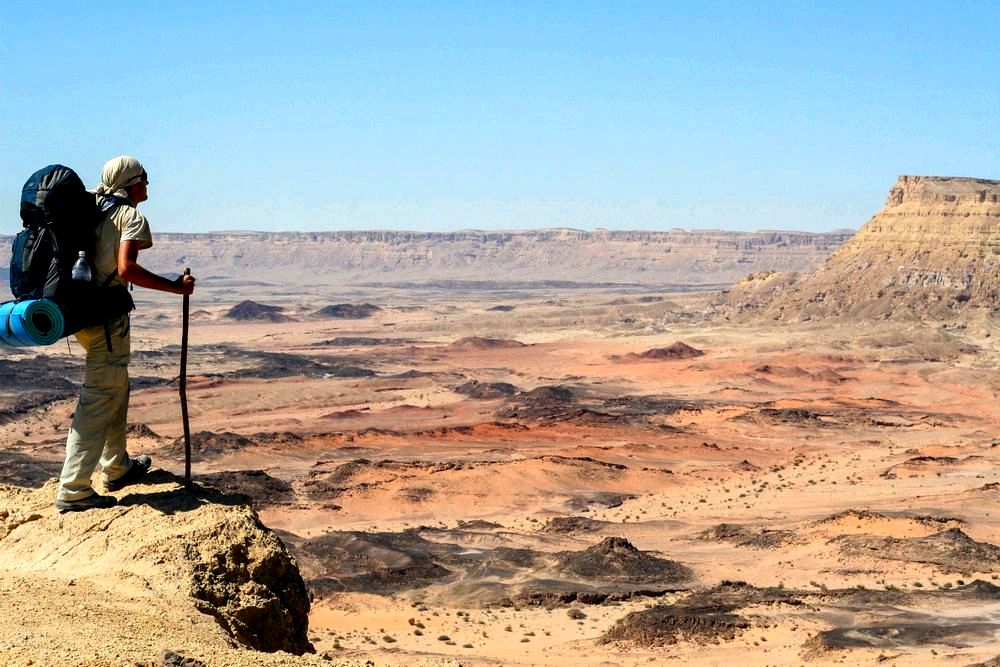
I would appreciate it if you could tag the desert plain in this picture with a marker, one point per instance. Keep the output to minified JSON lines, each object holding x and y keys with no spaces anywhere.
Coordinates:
{"x":521,"y":473}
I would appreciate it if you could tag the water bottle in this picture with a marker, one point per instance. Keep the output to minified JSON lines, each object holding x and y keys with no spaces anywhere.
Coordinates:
{"x":81,"y":270}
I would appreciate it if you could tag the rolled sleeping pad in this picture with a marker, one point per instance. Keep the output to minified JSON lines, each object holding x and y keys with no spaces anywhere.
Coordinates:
{"x":32,"y":322}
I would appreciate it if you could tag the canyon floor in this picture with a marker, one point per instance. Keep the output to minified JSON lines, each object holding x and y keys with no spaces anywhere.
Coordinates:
{"x":592,"y":476}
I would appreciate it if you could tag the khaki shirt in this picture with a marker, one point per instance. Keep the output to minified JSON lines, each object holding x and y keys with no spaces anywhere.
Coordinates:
{"x":122,"y":223}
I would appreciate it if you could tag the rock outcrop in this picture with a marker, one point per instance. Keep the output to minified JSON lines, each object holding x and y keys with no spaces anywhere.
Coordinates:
{"x":194,"y":573}
{"x":347,"y":311}
{"x":933,"y":252}
{"x":677,"y":350}
{"x":246,"y":311}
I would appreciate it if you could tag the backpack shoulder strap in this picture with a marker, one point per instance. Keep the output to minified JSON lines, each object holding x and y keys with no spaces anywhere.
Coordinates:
{"x":107,"y":202}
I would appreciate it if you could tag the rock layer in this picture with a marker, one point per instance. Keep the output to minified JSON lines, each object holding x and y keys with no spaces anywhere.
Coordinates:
{"x":704,"y":257}
{"x":932,"y":252}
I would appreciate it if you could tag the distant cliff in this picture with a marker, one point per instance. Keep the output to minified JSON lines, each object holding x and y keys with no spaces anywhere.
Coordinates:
{"x":933,"y":251}
{"x":650,"y":257}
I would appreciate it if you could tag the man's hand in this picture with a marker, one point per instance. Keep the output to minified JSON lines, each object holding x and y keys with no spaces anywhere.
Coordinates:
{"x":185,"y":284}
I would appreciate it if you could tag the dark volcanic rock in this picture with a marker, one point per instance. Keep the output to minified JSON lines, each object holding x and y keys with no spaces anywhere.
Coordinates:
{"x":648,"y":405}
{"x":548,"y":393}
{"x":486,"y":390}
{"x":29,"y":384}
{"x":141,"y":431}
{"x":748,"y":536}
{"x":566,"y":525}
{"x":555,"y":409}
{"x":922,"y":519}
{"x":782,"y":371}
{"x":678,"y":350}
{"x":207,"y":444}
{"x":478,"y":524}
{"x":362,"y":341}
{"x":269,"y":365}
{"x":347,"y":311}
{"x":783,"y":416}
{"x":615,"y":559}
{"x":546,"y":404}
{"x":705,"y":616}
{"x":20,"y":469}
{"x":257,"y":484}
{"x":246,"y":311}
{"x":664,"y":625}
{"x":893,"y":635}
{"x":472,"y":343}
{"x":40,"y":372}
{"x":322,"y":484}
{"x":582,"y":502}
{"x":950,"y":549}
{"x":370,"y":562}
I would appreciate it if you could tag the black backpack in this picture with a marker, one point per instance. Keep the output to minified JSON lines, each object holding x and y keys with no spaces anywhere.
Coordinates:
{"x":60,"y":219}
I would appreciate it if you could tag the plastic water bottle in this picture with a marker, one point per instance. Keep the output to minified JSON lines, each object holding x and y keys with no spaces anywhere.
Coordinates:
{"x":81,"y":270}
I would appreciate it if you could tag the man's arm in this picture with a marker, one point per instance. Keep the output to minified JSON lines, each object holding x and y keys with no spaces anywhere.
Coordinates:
{"x":129,"y":269}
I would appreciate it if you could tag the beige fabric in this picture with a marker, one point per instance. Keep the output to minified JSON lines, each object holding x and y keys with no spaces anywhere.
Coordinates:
{"x":118,"y":174}
{"x":122,"y":223}
{"x":97,"y":434}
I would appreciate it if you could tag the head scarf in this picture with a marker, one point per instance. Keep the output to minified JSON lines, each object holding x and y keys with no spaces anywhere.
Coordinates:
{"x":118,"y":174}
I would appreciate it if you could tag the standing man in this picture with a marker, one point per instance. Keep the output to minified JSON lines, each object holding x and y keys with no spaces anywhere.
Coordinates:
{"x":97,"y":434}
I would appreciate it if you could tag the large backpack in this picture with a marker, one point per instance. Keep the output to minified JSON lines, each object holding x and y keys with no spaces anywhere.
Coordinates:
{"x":60,"y":219}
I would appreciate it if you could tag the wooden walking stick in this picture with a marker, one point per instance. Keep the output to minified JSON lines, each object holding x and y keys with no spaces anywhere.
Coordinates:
{"x":183,"y":390}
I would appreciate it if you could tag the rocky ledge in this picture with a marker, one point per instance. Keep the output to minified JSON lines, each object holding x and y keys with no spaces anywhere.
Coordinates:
{"x":195,"y":573}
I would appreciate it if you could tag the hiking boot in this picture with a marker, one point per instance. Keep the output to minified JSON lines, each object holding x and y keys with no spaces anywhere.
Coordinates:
{"x":140,"y":466}
{"x":92,"y":502}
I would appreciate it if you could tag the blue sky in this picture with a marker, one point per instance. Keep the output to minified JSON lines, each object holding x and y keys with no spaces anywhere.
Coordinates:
{"x":489,"y":115}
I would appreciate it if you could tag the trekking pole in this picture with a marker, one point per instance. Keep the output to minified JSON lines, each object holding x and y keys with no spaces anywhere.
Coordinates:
{"x":183,"y":390}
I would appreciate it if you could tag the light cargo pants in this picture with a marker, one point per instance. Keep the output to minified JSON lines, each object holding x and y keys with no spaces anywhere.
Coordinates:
{"x":98,"y":431}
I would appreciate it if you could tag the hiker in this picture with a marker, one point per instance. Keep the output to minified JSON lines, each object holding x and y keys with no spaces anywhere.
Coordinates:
{"x":98,"y":430}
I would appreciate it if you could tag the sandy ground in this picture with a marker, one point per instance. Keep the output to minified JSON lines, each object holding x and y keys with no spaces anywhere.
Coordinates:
{"x":846,"y":473}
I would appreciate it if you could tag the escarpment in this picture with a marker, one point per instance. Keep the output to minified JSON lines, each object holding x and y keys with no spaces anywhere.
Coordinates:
{"x":488,"y":259}
{"x":932,"y":252}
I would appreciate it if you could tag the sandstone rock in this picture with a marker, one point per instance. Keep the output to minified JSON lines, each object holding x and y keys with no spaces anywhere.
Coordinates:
{"x":933,"y":252}
{"x":195,"y":570}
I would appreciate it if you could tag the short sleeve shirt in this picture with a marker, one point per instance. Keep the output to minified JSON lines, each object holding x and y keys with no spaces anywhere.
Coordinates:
{"x":122,"y":223}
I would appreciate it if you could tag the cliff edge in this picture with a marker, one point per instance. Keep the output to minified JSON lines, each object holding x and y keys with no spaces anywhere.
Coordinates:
{"x":932,"y":252}
{"x":198,"y":574}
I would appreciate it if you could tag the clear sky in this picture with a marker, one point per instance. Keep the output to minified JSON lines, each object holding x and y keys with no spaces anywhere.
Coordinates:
{"x":502,"y":115}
